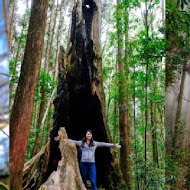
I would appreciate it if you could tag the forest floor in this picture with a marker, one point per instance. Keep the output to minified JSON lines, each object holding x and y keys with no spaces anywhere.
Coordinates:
{"x":183,"y":181}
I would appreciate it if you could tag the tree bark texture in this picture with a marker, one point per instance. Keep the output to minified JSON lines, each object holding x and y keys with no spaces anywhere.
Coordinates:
{"x":178,"y":115}
{"x":80,"y":100}
{"x":11,"y":21}
{"x":24,"y":101}
{"x":154,"y":135}
{"x":80,"y":103}
{"x":67,"y":176}
{"x":36,"y":168}
{"x":44,"y":88}
{"x":124,"y":122}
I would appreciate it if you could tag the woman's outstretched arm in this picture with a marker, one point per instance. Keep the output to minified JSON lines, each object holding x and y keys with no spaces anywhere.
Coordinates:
{"x":78,"y":143}
{"x":103,"y":144}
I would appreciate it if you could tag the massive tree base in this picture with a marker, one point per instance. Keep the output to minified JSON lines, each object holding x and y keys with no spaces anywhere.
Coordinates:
{"x":66,"y":177}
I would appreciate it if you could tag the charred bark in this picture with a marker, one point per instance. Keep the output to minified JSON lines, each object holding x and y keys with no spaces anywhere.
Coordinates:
{"x":80,"y":101}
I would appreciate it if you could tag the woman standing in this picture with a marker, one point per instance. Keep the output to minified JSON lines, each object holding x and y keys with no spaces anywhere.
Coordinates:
{"x":87,"y":162}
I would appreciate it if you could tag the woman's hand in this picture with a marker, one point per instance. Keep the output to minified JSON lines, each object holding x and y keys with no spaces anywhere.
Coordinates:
{"x":57,"y":138}
{"x":118,"y":145}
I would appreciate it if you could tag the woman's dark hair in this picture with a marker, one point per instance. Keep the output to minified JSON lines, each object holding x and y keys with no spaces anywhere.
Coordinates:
{"x":84,"y":139}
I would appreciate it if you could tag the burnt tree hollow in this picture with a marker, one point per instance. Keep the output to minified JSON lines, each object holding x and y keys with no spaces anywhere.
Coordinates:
{"x":76,"y":107}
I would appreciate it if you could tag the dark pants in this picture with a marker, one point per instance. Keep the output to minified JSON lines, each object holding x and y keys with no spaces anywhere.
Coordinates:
{"x":88,"y":170}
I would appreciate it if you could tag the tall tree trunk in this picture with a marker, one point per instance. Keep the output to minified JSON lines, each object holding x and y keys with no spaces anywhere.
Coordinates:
{"x":177,"y":126}
{"x":11,"y":21}
{"x":134,"y":120}
{"x":49,"y":127}
{"x":59,"y":39}
{"x":154,"y":121}
{"x":24,"y":101}
{"x":50,"y":34}
{"x":178,"y":115}
{"x":40,"y":126}
{"x":116,"y":123}
{"x":16,"y":57}
{"x":53,"y":29}
{"x":125,"y":162}
{"x":146,"y":89}
{"x":154,"y":135}
{"x":85,"y":87}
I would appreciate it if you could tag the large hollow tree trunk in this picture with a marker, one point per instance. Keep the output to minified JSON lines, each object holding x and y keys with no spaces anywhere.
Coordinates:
{"x":85,"y":88}
{"x":80,"y":101}
{"x":25,"y":96}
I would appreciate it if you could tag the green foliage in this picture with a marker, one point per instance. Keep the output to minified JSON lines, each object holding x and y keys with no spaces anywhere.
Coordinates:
{"x":175,"y":167}
{"x":177,"y":38}
{"x":3,"y":186}
{"x":182,"y":3}
{"x":141,"y":49}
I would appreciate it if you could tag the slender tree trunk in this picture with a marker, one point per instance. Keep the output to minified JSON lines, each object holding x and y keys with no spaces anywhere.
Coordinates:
{"x":134,"y":119}
{"x":41,"y":127}
{"x":177,"y":127}
{"x":36,"y":114}
{"x":49,"y":128}
{"x":59,"y":39}
{"x":33,"y":132}
{"x":17,"y":56}
{"x":125,"y":162}
{"x":146,"y":89}
{"x":116,"y":128}
{"x":116,"y":123}
{"x":50,"y":35}
{"x":11,"y":22}
{"x":186,"y":138}
{"x":128,"y":96}
{"x":154,"y":121}
{"x":43,"y":88}
{"x":53,"y":29}
{"x":24,"y":101}
{"x":178,"y":115}
{"x":109,"y":96}
{"x":154,"y":135}
{"x":12,"y":7}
